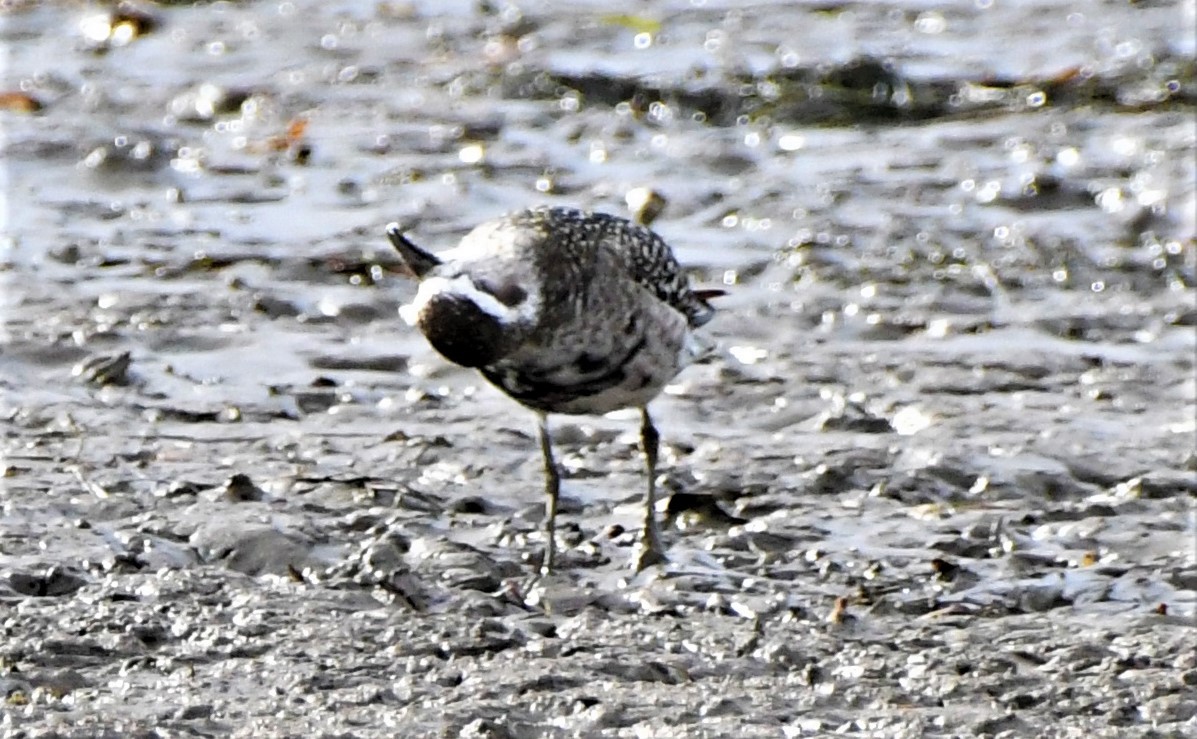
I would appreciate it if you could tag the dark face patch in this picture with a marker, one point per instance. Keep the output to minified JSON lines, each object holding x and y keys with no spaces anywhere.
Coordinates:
{"x":462,"y":332}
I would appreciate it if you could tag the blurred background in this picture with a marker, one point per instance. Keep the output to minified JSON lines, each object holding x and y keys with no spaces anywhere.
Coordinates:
{"x":956,"y":388}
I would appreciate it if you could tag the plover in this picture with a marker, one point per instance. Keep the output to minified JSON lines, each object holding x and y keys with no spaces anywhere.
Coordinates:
{"x":565,"y":311}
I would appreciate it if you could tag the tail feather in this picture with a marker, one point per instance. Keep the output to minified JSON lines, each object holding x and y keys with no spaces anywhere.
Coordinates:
{"x":700,"y":312}
{"x":708,"y":293}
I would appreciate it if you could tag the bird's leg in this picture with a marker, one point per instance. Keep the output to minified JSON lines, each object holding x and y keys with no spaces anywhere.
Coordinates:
{"x":552,"y":487}
{"x":651,"y":550}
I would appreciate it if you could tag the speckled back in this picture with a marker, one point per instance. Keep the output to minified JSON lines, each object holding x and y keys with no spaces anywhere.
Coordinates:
{"x":572,"y":248}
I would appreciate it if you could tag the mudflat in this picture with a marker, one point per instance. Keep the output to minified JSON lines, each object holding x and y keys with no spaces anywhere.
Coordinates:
{"x":938,"y":480}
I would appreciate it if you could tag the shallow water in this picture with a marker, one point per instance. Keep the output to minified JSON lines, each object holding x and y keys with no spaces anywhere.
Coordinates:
{"x":949,"y":436}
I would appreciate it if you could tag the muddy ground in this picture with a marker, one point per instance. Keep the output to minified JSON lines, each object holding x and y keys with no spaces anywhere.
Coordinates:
{"x":938,"y":481}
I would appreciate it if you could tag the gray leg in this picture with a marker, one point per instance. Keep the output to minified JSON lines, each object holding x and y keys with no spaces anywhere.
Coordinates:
{"x":552,"y":487}
{"x":651,"y":550}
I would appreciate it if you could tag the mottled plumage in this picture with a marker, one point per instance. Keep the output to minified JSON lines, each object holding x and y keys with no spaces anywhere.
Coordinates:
{"x":566,"y":312}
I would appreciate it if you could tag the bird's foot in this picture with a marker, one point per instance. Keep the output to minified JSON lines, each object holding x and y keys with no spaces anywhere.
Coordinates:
{"x":648,"y":553}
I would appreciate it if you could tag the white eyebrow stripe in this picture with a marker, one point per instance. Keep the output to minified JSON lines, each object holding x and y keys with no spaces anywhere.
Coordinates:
{"x":462,"y":285}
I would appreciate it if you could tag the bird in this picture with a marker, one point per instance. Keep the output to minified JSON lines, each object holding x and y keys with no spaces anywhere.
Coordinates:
{"x":566,"y":311}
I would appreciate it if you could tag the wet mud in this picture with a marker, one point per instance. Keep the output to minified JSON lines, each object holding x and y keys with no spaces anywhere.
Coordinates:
{"x":939,"y":479}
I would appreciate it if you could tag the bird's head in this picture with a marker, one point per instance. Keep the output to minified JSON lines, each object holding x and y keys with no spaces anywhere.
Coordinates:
{"x":474,"y":311}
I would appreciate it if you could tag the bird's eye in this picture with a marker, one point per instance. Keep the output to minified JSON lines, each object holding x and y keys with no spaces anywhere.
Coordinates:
{"x":508,"y":293}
